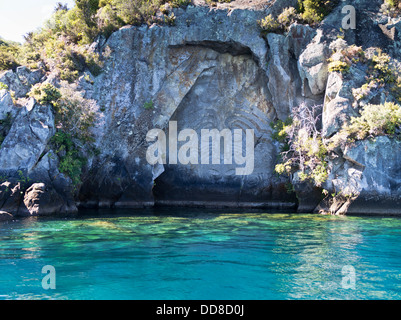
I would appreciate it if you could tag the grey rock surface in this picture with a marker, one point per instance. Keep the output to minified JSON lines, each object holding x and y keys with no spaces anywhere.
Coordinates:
{"x":5,"y":216}
{"x":7,"y":107}
{"x":213,"y":69}
{"x":28,"y":138}
{"x":209,"y":71}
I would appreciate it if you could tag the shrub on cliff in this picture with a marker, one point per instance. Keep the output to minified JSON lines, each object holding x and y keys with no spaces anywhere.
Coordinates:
{"x":338,"y":66}
{"x":391,"y":8}
{"x":45,"y":93}
{"x":213,"y":3}
{"x":71,"y":161}
{"x":382,"y":72}
{"x":374,"y":120}
{"x":8,"y":55}
{"x":74,"y":116}
{"x":287,"y":17}
{"x":269,"y":24}
{"x":393,"y":3}
{"x":309,"y":11}
{"x":302,"y":150}
{"x":73,"y":113}
{"x":282,"y":23}
{"x":313,"y":11}
{"x":344,"y":58}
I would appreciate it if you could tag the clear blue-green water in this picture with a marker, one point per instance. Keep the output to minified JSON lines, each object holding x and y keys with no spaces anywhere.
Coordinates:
{"x":200,"y":255}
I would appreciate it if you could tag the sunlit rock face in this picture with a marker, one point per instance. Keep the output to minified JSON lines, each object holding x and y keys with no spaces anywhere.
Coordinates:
{"x":230,"y":93}
{"x":210,"y":71}
{"x":214,"y":69}
{"x":31,"y":183}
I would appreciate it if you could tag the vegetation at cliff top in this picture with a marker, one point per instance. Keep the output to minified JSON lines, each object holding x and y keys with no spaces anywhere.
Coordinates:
{"x":307,"y":11}
{"x":8,"y":54}
{"x":63,"y":43}
{"x":45,"y":93}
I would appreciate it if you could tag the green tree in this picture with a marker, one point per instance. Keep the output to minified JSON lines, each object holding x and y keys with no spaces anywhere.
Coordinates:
{"x":9,"y":52}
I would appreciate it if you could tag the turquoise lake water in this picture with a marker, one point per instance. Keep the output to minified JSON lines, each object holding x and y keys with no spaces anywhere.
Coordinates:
{"x":193,"y":254}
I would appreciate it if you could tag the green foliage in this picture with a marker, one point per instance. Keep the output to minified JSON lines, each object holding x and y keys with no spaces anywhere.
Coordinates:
{"x":169,"y":19}
{"x":381,"y":67}
{"x":3,"y":86}
{"x":374,"y":120}
{"x":309,"y":11}
{"x":269,"y":24}
{"x":338,"y":66}
{"x":213,"y":2}
{"x":148,"y":105}
{"x":391,"y":8}
{"x":93,"y":63}
{"x":287,"y":17}
{"x":279,"y":132}
{"x":22,"y":178}
{"x":8,"y":55}
{"x":393,"y":3}
{"x":282,"y":23}
{"x":184,"y":3}
{"x":62,"y":43}
{"x":284,"y":20}
{"x":313,"y":11}
{"x":45,"y":93}
{"x":74,"y":117}
{"x":136,"y":12}
{"x":71,"y":163}
{"x":69,"y":58}
{"x":303,"y":150}
{"x":383,"y":72}
{"x":75,"y":114}
{"x":365,"y":90}
{"x":342,"y":60}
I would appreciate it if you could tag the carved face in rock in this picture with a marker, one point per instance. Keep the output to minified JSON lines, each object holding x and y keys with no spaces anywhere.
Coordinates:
{"x":231,"y":93}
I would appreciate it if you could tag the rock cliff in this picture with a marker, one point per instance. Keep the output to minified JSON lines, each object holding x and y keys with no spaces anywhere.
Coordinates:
{"x":214,"y":69}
